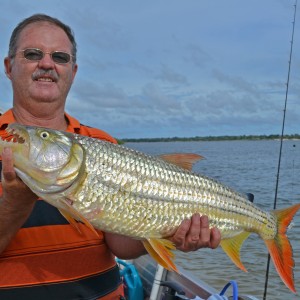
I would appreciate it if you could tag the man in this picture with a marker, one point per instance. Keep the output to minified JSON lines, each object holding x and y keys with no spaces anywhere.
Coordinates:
{"x":41,"y":255}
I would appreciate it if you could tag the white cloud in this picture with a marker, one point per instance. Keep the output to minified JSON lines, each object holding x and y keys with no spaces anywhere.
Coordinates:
{"x":173,"y":68}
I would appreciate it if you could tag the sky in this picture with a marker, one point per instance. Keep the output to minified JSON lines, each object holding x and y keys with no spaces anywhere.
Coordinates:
{"x":175,"y":68}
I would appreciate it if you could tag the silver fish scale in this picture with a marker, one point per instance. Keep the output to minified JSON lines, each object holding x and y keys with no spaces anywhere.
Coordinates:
{"x":142,"y":196}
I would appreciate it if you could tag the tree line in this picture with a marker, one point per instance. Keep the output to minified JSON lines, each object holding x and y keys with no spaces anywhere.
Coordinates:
{"x":211,"y":138}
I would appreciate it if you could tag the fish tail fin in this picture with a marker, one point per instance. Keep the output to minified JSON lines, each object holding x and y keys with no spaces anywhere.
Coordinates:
{"x":161,"y":252}
{"x":280,"y":248}
{"x":233,"y":246}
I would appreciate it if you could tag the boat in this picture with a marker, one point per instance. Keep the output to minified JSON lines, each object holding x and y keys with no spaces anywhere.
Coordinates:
{"x":144,"y":279}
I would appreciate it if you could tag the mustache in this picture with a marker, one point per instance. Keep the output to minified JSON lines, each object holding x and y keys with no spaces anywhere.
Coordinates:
{"x":48,"y":73}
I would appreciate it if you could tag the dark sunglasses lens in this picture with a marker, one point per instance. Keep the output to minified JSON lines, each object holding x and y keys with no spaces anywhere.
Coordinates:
{"x":33,"y":54}
{"x":61,"y":57}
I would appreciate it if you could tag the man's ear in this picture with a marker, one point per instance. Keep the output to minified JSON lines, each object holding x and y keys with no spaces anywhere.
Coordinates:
{"x":7,"y":67}
{"x":75,"y":68}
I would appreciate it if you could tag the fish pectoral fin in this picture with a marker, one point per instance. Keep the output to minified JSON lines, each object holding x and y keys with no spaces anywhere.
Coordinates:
{"x":71,"y":214}
{"x":233,"y":246}
{"x":70,"y":219}
{"x":161,"y":251}
{"x":183,"y":160}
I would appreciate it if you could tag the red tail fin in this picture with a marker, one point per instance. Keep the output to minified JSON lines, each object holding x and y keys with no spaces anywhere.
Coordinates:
{"x":280,"y":248}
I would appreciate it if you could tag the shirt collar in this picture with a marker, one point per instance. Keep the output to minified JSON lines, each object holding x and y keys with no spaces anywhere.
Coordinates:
{"x":73,"y":124}
{"x":8,"y":117}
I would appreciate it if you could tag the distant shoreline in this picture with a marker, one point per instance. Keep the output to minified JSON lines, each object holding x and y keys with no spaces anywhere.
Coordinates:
{"x":213,"y":138}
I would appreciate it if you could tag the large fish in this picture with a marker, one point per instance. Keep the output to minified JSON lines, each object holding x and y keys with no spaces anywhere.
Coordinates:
{"x":115,"y":189}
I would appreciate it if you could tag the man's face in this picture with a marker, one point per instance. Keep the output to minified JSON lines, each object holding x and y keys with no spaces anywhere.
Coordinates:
{"x":29,"y":79}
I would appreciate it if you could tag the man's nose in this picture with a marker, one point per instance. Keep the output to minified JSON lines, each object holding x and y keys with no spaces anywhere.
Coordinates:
{"x":46,"y":62}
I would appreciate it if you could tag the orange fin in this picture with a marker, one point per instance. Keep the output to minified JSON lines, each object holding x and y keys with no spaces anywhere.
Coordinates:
{"x":70,"y":219}
{"x":233,"y":246}
{"x":160,"y":250}
{"x":71,"y":214}
{"x":280,"y":248}
{"x":183,"y":160}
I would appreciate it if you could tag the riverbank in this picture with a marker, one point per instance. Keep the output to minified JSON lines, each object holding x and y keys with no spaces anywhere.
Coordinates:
{"x":213,"y":138}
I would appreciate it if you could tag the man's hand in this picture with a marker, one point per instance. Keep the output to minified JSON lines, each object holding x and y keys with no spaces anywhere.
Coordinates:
{"x":15,"y":192}
{"x":194,"y":233}
{"x":16,"y":201}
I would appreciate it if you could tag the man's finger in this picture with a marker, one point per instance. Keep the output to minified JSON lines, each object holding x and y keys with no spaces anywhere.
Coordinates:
{"x":204,"y":232}
{"x":180,"y":235}
{"x":194,"y":232}
{"x":8,"y":171}
{"x":215,"y":238}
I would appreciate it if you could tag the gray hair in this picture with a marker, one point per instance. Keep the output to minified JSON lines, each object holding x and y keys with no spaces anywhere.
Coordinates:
{"x":40,"y":18}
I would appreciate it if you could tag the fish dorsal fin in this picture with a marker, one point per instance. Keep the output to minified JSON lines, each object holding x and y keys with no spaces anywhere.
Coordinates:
{"x":161,"y":252}
{"x":233,"y":246}
{"x":71,"y":214}
{"x":183,"y":160}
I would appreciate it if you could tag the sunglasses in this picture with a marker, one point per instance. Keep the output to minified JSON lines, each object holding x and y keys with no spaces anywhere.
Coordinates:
{"x":34,"y":54}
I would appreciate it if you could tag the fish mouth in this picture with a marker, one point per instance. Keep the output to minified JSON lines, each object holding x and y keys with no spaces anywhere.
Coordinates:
{"x":16,"y":134}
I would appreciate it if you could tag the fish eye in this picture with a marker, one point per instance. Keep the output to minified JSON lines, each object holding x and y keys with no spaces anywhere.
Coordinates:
{"x":44,"y":135}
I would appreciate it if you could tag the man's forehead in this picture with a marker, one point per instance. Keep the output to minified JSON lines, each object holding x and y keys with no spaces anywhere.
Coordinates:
{"x":41,"y":25}
{"x":39,"y":29}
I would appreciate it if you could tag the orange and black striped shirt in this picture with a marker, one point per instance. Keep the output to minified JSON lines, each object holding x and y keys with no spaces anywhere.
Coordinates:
{"x":48,"y":259}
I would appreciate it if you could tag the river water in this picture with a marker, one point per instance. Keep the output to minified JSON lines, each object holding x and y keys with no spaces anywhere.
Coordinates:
{"x":250,"y":167}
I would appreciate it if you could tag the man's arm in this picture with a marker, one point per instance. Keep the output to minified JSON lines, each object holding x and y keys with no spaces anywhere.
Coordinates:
{"x":191,"y":235}
{"x":16,"y":202}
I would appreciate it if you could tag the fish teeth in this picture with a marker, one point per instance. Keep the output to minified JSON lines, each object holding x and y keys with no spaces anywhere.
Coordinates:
{"x":15,"y":138}
{"x":6,"y":142}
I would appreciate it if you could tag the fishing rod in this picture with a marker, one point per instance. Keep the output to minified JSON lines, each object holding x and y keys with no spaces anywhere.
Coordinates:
{"x":281,"y":138}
